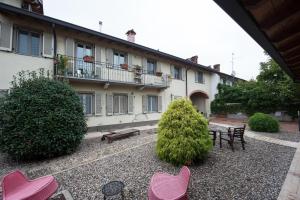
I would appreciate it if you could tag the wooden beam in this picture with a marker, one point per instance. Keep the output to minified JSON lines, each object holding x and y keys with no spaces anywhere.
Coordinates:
{"x":289,"y":42}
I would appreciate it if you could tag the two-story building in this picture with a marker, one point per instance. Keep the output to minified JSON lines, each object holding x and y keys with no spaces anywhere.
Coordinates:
{"x":119,"y":82}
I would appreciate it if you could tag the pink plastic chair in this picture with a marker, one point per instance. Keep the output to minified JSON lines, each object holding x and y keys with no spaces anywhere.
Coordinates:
{"x":168,"y":187}
{"x":16,"y":186}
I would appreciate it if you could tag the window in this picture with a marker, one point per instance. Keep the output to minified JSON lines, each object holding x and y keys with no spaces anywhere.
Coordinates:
{"x":119,"y":58}
{"x":152,"y":104}
{"x":177,"y":73}
{"x":86,"y":101}
{"x":82,"y":50}
{"x":120,"y":105}
{"x":28,"y":43}
{"x":199,"y":77}
{"x":151,"y":67}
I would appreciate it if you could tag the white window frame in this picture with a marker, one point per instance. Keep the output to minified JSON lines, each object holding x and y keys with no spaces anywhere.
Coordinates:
{"x":179,"y":73}
{"x":197,"y":80}
{"x":150,"y":99}
{"x":83,"y":105}
{"x":118,"y":95}
{"x":117,"y":65}
{"x":30,"y":32}
{"x":150,"y":61}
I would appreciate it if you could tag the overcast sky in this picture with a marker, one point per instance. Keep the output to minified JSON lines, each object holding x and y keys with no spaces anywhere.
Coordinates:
{"x":181,"y":28}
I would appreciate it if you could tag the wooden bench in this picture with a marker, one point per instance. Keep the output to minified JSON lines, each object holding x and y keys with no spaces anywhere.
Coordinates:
{"x":120,"y":134}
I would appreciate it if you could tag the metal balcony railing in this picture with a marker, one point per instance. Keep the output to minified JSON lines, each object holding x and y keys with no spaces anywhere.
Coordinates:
{"x":106,"y":72}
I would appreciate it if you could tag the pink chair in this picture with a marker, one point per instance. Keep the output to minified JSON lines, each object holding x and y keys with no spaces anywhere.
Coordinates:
{"x":16,"y":186}
{"x":168,"y":187}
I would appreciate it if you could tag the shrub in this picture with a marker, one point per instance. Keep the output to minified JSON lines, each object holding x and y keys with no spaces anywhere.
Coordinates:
{"x":40,"y":118}
{"x":263,"y":123}
{"x":182,"y":134}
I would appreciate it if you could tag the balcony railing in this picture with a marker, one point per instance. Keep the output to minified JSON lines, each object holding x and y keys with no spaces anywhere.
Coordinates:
{"x":87,"y":69}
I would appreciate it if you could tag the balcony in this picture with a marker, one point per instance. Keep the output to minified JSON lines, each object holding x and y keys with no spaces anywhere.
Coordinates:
{"x":84,"y":70}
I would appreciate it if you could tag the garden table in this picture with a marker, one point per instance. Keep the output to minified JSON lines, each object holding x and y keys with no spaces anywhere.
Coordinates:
{"x":113,"y":188}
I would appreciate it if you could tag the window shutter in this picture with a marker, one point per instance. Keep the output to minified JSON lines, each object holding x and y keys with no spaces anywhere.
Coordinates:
{"x":6,"y":32}
{"x":98,"y":103}
{"x":183,"y":73}
{"x":109,"y":56}
{"x":145,"y":65}
{"x":172,"y":70}
{"x":70,"y":47}
{"x":47,"y":45}
{"x":196,"y":76}
{"x":159,"y":106}
{"x":109,"y":104}
{"x":98,"y":54}
{"x":145,"y":103}
{"x":130,"y":60}
{"x":130,"y":104}
{"x":158,"y":67}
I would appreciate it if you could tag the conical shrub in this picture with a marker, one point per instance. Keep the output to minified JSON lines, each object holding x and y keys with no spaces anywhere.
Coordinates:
{"x":182,"y":134}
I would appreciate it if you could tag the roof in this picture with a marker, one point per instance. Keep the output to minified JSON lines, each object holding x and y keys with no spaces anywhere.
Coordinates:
{"x":11,"y":9}
{"x":274,"y":24}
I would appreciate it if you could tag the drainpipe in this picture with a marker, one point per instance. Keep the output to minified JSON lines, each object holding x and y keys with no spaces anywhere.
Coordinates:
{"x":54,"y":48}
{"x":186,"y":82}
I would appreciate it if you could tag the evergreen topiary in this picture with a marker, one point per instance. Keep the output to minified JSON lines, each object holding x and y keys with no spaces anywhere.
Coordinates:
{"x":182,"y":134}
{"x":263,"y":123}
{"x":40,"y":118}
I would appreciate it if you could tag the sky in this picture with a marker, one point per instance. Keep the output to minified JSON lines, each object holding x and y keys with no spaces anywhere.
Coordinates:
{"x":181,"y":28}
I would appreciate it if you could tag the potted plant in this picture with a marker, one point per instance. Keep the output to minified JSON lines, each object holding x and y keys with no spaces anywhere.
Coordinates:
{"x":62,"y":63}
{"x":158,"y":73}
{"x":124,"y":66}
{"x":88,"y":59}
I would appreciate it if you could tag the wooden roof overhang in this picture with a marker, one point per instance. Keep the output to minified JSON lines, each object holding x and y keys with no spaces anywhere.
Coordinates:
{"x":273,"y":24}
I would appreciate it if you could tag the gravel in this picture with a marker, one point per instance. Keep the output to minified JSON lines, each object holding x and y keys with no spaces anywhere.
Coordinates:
{"x":255,"y":173}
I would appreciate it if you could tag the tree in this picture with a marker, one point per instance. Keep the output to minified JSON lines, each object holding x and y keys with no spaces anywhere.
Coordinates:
{"x":272,"y":91}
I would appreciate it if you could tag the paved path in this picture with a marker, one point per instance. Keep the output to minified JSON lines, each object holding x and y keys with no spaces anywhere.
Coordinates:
{"x":290,"y":189}
{"x":256,"y":136}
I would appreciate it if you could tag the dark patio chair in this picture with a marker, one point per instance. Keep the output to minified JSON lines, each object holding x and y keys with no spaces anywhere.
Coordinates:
{"x":231,"y":134}
{"x":213,"y":133}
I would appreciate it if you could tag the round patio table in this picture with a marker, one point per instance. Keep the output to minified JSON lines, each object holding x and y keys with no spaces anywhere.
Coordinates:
{"x":113,"y":188}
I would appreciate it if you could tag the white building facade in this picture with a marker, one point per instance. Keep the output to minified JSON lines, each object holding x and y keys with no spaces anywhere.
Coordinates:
{"x":119,"y":82}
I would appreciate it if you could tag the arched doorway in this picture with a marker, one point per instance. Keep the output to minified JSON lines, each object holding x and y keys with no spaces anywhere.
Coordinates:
{"x":198,"y":99}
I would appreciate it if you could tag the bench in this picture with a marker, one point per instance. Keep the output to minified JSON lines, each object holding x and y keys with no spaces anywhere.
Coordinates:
{"x":120,"y":134}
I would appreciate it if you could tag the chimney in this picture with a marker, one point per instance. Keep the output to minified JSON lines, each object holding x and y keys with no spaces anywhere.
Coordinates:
{"x":217,"y":67}
{"x":131,"y":35}
{"x":100,"y":26}
{"x":193,"y":59}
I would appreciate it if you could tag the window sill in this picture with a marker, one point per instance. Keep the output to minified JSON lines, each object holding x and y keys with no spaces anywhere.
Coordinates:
{"x":200,"y":83}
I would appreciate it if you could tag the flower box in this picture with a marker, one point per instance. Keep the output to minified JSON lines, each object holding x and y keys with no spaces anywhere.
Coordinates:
{"x":88,"y":59}
{"x":124,"y":66}
{"x":159,"y":73}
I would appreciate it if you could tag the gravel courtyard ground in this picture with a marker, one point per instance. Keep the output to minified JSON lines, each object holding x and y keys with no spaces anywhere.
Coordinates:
{"x":256,"y":173}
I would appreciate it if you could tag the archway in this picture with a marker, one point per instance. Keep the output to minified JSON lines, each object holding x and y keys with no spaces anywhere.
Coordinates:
{"x":198,"y":99}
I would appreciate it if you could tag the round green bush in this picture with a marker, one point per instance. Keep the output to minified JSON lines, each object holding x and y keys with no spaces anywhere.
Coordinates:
{"x":41,"y":118}
{"x":263,"y":123}
{"x":182,"y":134}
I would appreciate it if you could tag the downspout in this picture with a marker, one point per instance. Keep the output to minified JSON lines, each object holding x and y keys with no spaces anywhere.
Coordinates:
{"x":186,"y":82}
{"x":54,"y":49}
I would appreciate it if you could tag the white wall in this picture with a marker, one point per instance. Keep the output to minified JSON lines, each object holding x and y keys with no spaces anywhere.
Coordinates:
{"x":12,"y":63}
{"x":215,"y":80}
